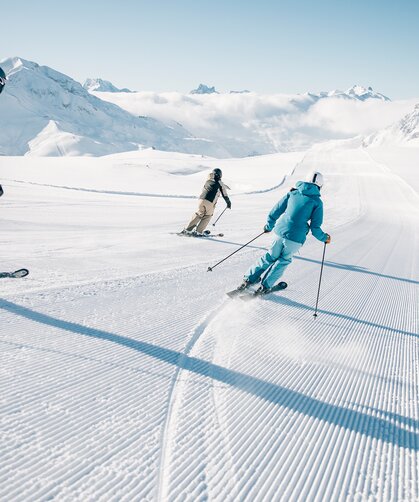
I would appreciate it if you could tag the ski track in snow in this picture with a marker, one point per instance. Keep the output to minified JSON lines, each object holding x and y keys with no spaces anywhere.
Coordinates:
{"x":154,"y":387}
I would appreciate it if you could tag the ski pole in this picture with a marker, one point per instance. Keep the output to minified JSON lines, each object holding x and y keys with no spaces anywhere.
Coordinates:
{"x":210,"y":269}
{"x":320,"y":281}
{"x":219,"y":217}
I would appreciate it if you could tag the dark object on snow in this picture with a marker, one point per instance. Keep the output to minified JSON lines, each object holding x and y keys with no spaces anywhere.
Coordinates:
{"x":2,"y":80}
{"x":22,"y":272}
{"x":246,"y":294}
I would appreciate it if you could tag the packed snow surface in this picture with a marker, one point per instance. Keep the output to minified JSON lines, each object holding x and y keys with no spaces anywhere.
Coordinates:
{"x":128,"y":375}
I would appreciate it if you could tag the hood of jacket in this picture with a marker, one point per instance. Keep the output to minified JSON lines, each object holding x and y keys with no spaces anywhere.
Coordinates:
{"x":308,"y":189}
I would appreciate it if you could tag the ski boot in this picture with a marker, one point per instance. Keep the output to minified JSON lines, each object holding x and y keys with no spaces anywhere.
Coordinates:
{"x":262,"y":290}
{"x":243,"y":286}
{"x":185,"y":232}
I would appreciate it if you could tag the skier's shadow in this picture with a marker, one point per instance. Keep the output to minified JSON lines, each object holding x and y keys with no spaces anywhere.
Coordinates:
{"x":283,"y":300}
{"x":391,"y":428}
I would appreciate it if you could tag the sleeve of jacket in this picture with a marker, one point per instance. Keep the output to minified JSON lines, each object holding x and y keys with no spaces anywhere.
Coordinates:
{"x":276,"y":212}
{"x":316,"y":222}
{"x":223,"y":190}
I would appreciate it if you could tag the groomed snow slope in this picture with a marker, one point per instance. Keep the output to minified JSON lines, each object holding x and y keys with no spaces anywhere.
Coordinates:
{"x":128,"y":375}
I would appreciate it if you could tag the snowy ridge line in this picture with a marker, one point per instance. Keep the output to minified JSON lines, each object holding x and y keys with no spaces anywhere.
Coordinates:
{"x":266,"y":190}
{"x":105,"y":192}
{"x":144,"y":194}
{"x":279,"y":185}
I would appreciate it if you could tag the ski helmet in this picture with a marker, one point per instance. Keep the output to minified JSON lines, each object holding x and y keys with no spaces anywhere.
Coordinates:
{"x":2,"y":80}
{"x":316,"y":178}
{"x":217,"y":173}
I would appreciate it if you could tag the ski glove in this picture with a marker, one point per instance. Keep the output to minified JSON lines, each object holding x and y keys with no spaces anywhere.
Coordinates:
{"x":228,"y":202}
{"x":327,"y":241}
{"x":266,"y":229}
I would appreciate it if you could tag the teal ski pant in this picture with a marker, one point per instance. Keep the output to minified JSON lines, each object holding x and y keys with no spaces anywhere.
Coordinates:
{"x":274,"y":262}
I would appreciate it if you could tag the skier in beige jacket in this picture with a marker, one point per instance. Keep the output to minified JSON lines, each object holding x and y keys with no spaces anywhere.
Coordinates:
{"x":208,"y":199}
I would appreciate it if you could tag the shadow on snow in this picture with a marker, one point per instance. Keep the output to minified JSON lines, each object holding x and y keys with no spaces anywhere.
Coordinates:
{"x":302,"y":306}
{"x":392,"y":429}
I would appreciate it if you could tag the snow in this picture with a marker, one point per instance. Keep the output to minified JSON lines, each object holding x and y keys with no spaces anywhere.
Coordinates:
{"x":249,"y":123}
{"x":49,"y":113}
{"x":127,"y":374}
{"x":100,"y":85}
{"x":405,"y":132}
{"x":204,"y":89}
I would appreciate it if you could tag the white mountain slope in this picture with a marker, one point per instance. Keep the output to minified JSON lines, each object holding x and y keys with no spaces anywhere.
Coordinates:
{"x":127,"y":375}
{"x":48,"y":113}
{"x":405,"y":132}
{"x":98,"y":84}
{"x":357,"y":92}
{"x":249,"y":123}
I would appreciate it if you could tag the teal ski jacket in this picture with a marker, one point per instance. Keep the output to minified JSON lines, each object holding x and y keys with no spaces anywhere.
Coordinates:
{"x":298,"y":212}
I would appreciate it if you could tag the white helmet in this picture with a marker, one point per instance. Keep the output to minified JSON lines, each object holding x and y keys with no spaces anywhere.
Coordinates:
{"x":316,"y":178}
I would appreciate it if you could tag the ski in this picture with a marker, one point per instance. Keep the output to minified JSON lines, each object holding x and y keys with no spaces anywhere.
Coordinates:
{"x":22,"y":272}
{"x":237,"y":292}
{"x":205,"y":235}
{"x":255,"y":294}
{"x":249,"y":294}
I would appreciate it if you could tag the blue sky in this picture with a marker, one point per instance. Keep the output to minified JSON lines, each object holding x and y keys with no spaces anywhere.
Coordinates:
{"x":262,"y":45}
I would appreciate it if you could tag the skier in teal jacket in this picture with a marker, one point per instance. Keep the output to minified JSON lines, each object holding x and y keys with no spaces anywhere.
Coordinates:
{"x":297,"y":213}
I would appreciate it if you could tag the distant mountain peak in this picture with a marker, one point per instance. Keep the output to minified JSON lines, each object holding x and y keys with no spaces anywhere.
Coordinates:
{"x":204,"y":89}
{"x":12,"y":64}
{"x":100,"y":85}
{"x":357,"y":92}
{"x":363,"y":93}
{"x":58,"y":117}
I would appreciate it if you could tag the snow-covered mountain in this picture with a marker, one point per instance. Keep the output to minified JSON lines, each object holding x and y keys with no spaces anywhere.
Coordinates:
{"x":204,"y":89}
{"x":357,"y":92}
{"x":49,"y":113}
{"x":100,"y":85}
{"x":247,"y":123}
{"x":404,"y":132}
